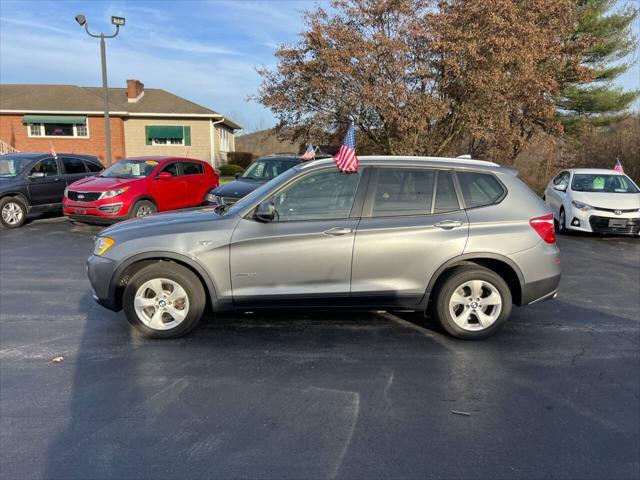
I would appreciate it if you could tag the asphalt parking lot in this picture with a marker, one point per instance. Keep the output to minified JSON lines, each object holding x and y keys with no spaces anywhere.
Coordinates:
{"x":295,"y":395}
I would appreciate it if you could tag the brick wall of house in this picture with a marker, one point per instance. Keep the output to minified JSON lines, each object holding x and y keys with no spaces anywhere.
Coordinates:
{"x":200,"y":147}
{"x":14,"y":133}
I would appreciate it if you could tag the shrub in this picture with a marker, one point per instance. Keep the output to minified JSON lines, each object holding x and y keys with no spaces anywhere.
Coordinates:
{"x":230,"y":169}
{"x":242,"y":159}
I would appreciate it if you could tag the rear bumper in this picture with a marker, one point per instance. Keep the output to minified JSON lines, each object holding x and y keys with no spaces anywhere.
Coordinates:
{"x":536,"y":292}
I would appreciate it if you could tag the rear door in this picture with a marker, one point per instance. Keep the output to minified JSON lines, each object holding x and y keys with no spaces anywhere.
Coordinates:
{"x":74,"y":169}
{"x":305,"y":254}
{"x":47,"y":190}
{"x":411,"y":224}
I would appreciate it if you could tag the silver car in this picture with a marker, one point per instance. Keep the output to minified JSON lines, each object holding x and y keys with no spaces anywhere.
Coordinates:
{"x":462,"y":239}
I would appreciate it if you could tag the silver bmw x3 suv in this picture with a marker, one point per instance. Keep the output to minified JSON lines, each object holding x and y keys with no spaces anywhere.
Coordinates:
{"x":461,"y":239}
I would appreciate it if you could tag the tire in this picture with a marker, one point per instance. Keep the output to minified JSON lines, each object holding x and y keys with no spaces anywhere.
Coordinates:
{"x":562,"y":222}
{"x":13,"y":212}
{"x":142,"y":300}
{"x":142,"y":208}
{"x":463,"y":282}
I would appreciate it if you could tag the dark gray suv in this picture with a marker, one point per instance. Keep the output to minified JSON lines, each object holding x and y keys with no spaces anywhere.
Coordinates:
{"x":462,"y":238}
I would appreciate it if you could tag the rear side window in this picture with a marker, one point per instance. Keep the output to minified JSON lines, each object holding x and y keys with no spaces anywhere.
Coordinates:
{"x":446,"y":198}
{"x":192,"y":168}
{"x":403,"y":191}
{"x":93,"y":167}
{"x":479,"y":189}
{"x":73,"y":165}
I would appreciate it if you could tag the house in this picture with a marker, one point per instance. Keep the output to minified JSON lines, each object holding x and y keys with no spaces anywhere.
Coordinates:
{"x":142,"y":122}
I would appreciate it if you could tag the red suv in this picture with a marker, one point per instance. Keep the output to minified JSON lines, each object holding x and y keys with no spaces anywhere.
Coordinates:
{"x":139,"y":186}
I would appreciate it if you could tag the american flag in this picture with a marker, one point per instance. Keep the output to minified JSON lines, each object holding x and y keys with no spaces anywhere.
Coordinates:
{"x":618,"y":166}
{"x":310,"y":153}
{"x":346,"y":158}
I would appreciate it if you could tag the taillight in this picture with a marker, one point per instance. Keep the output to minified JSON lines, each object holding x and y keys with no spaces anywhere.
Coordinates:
{"x":544,"y":227}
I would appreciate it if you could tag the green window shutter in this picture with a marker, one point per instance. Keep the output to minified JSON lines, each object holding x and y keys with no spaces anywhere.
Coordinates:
{"x":147,"y":137}
{"x":187,"y":136}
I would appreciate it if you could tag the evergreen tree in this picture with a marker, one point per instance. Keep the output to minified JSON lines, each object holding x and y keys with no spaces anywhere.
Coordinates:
{"x":591,"y":98}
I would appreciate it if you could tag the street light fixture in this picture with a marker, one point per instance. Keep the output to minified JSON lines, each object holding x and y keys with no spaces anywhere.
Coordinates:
{"x":118,"y":22}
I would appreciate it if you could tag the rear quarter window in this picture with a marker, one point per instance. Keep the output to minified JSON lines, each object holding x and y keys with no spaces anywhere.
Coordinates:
{"x":479,"y":189}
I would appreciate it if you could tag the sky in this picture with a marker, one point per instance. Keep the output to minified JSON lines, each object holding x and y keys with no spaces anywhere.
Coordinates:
{"x":206,"y":51}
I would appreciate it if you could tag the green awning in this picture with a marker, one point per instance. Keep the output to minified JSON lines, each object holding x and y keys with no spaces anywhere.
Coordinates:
{"x":59,"y":119}
{"x":164,"y":131}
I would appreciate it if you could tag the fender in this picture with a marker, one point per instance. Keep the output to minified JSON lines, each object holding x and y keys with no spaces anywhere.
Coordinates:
{"x":160,"y":255}
{"x":469,"y":257}
{"x":20,"y":196}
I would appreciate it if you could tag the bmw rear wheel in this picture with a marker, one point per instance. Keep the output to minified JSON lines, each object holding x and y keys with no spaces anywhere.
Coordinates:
{"x":164,"y":300}
{"x":473,"y":303}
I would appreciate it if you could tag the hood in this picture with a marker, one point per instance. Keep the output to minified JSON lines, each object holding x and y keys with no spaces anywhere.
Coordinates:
{"x":622,"y":201}
{"x":238,"y":188}
{"x":170,"y":220}
{"x":6,"y":182}
{"x":101,"y":184}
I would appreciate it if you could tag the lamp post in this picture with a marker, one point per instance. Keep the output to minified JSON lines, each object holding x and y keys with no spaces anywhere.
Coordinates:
{"x":118,"y":22}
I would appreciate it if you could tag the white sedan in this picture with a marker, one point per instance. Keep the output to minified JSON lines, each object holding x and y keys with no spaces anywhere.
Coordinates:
{"x":594,"y":200}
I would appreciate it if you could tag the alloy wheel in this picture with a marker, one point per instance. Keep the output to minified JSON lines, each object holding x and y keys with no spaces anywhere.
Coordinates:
{"x":143,"y":211}
{"x":12,"y":213}
{"x":475,"y":305}
{"x":161,"y":304}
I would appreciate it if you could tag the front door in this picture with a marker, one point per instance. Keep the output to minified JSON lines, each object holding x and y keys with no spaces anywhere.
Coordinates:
{"x":411,"y":224}
{"x":305,"y":253}
{"x":171,"y":192}
{"x":46,"y":190}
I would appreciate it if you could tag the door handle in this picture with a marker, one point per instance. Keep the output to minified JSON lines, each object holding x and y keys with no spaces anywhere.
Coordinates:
{"x":337,"y":231}
{"x":448,"y":224}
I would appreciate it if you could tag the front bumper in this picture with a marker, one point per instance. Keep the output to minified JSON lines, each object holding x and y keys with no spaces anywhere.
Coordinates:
{"x":100,"y":271}
{"x":598,"y":221}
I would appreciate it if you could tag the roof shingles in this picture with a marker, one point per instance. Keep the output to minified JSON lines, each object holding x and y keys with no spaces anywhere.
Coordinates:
{"x":72,"y":98}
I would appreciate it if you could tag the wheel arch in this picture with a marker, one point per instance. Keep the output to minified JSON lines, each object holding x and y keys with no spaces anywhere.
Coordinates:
{"x":497,"y":263}
{"x":135,"y":263}
{"x":19,"y":196}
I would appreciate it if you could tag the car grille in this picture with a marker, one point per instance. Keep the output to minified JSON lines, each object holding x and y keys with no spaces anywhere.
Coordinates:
{"x":83,"y":196}
{"x":614,"y":210}
{"x":601,"y":225}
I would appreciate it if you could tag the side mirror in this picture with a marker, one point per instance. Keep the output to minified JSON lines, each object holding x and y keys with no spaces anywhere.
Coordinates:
{"x":561,"y":187}
{"x":164,"y":176}
{"x":266,"y":211}
{"x":34,"y":175}
{"x":238,"y":175}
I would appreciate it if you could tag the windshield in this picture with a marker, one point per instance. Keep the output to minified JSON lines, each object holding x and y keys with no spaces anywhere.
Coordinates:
{"x":130,"y":169}
{"x":12,"y":165}
{"x":602,"y":183}
{"x":267,"y":169}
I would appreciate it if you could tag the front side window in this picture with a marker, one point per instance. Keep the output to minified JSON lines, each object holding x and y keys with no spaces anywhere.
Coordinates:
{"x":318,"y":196}
{"x":403,"y":191}
{"x":172,"y":168}
{"x":73,"y":165}
{"x":48,"y":166}
{"x":602,"y":183}
{"x":479,"y":189}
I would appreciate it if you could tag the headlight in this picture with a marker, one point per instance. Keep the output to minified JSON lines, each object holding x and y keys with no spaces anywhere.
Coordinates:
{"x":66,"y":191}
{"x":581,"y":206}
{"x":214,"y":199}
{"x":114,"y":193}
{"x":102,"y":245}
